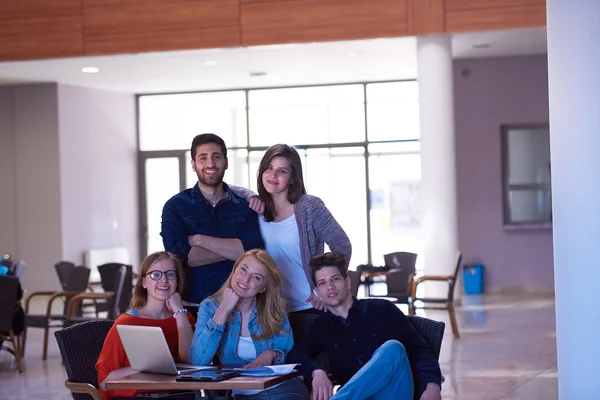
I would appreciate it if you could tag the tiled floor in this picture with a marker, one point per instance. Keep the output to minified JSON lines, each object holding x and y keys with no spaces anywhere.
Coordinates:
{"x":507,"y":351}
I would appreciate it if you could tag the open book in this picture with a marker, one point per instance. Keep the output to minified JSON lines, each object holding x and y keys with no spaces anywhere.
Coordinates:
{"x":268,"y":370}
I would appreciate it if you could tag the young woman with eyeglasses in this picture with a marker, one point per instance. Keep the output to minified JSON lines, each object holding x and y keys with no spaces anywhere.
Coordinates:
{"x":156,"y":301}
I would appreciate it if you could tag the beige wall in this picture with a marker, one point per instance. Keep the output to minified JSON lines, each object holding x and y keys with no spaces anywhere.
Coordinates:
{"x":8,"y":196}
{"x":31,"y":218}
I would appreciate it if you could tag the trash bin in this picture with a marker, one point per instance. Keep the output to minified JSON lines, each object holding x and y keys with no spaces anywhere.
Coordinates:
{"x":473,"y":279}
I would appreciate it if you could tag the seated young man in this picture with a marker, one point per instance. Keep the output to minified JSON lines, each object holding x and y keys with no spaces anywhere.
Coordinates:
{"x":373,"y":348}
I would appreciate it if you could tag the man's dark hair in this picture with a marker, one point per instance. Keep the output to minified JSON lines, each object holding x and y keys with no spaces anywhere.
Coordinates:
{"x":331,"y":259}
{"x":207,"y":138}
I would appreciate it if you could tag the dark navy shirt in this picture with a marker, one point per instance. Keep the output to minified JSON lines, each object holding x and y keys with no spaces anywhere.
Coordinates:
{"x":189,"y":213}
{"x":351,"y":342}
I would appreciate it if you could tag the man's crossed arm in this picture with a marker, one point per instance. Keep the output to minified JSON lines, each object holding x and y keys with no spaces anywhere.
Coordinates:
{"x":209,"y":249}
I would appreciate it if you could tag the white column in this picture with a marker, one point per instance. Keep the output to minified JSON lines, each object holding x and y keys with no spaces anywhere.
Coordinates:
{"x":574,"y":89}
{"x":438,"y":169}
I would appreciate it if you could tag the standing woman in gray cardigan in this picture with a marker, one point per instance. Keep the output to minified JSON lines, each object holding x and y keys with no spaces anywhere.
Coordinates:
{"x":295,"y":226}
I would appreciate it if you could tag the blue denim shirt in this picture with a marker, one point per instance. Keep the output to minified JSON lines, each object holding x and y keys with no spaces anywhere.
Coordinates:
{"x":189,"y":213}
{"x":210,"y":339}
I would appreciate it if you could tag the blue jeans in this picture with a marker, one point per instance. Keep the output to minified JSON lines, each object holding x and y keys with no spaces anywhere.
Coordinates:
{"x":294,"y":389}
{"x":386,"y":376}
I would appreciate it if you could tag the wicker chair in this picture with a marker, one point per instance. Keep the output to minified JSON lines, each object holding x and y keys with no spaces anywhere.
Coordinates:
{"x":432,"y":331}
{"x":80,"y":347}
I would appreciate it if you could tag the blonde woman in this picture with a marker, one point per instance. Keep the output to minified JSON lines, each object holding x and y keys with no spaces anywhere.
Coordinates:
{"x":156,"y":301}
{"x":245,"y":324}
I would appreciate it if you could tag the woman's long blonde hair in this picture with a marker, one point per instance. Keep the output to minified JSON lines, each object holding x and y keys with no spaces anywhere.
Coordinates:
{"x":140,"y":294}
{"x":270,"y":305}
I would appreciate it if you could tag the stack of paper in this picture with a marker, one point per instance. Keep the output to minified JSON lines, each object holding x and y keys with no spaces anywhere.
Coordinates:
{"x":268,"y":370}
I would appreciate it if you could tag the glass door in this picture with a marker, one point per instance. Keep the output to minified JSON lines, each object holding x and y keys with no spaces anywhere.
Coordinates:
{"x":163,"y":177}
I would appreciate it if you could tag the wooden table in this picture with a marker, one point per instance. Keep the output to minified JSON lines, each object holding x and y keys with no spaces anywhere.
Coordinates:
{"x":149,"y":382}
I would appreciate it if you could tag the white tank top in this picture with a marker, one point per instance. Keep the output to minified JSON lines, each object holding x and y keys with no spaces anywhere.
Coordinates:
{"x":282,"y":242}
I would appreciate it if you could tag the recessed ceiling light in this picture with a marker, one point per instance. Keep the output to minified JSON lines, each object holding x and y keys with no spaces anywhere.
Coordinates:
{"x":210,"y":63}
{"x":90,"y":70}
{"x":257,"y":74}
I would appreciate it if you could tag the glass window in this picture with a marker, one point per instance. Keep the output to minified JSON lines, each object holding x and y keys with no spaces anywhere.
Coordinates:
{"x":170,"y":122}
{"x":337,"y":177}
{"x":393,"y":111}
{"x":312,"y":115}
{"x":394,"y":189}
{"x":530,"y":206}
{"x":317,"y":119}
{"x":236,"y":174}
{"x":162,"y":183}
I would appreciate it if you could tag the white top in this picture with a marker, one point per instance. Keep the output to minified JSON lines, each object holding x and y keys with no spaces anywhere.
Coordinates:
{"x":282,"y":242}
{"x":246,"y":349}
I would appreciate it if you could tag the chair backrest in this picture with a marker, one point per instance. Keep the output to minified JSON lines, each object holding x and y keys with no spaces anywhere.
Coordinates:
{"x":109,"y":278}
{"x":403,"y":260}
{"x":77,"y":281}
{"x":453,"y":283}
{"x":432,"y":331}
{"x":80,"y":347}
{"x":354,"y":282}
{"x":63,"y":269}
{"x":114,"y":311}
{"x":397,"y":281}
{"x":9,"y":287}
{"x":19,"y":269}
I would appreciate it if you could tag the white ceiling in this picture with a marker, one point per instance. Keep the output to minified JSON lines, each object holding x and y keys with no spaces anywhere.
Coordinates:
{"x":286,"y":65}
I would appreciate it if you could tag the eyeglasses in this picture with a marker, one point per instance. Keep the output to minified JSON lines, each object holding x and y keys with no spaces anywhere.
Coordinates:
{"x":156,"y":275}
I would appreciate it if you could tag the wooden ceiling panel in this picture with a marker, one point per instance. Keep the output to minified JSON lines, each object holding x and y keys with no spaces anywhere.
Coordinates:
{"x":295,"y":21}
{"x":120,"y":26}
{"x":20,"y":9}
{"x":497,"y":19}
{"x":426,"y":17}
{"x":455,"y":5}
{"x":33,"y":38}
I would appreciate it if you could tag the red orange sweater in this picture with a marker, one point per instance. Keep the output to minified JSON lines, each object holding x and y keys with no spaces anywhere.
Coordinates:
{"x":113,"y":356}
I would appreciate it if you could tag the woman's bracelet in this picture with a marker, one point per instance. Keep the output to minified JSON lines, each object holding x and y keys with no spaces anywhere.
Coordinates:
{"x":176,"y":313}
{"x":278,"y":356}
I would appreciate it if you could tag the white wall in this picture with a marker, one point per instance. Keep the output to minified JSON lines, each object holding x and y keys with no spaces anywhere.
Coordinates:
{"x":98,"y":170}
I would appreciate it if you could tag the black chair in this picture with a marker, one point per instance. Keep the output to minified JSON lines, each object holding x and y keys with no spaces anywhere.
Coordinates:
{"x":109,"y":277}
{"x":80,"y":346}
{"x":113,"y":299}
{"x":354,"y":282}
{"x":9,"y":297}
{"x":77,"y":283}
{"x":433,"y":333}
{"x":399,"y":280}
{"x":431,"y":330}
{"x":63,"y":270}
{"x":445,"y":303}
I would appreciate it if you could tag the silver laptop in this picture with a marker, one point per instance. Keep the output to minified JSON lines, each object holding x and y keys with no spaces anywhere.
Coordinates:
{"x":148,"y":351}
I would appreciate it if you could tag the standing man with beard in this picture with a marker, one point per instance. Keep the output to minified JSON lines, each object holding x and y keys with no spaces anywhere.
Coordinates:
{"x":208,"y":226}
